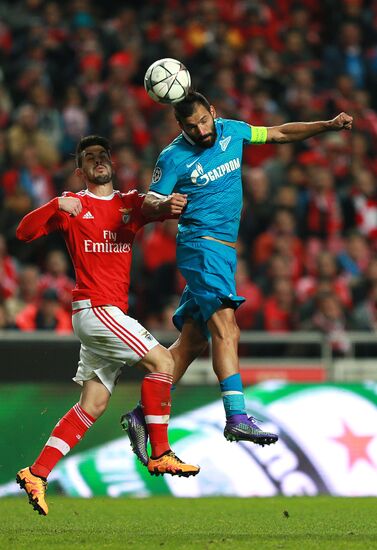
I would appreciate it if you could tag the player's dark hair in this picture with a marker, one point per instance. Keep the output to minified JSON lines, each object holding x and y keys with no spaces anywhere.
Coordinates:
{"x":186,"y":108}
{"x":88,"y":141}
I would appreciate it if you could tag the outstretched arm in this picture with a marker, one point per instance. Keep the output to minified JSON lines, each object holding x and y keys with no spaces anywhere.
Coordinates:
{"x":42,"y":221}
{"x":297,"y":131}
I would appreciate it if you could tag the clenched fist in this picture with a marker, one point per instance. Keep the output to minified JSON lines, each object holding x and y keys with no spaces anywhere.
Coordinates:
{"x":174,"y":204}
{"x":72,"y":205}
{"x":341,"y":122}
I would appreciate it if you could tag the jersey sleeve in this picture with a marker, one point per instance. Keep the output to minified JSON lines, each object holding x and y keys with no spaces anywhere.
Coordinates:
{"x":42,"y":221}
{"x":256,"y":135}
{"x":164,"y":175}
{"x":133,"y":202}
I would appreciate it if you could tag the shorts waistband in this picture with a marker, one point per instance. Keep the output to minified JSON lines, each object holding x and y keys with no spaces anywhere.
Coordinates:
{"x":81,"y":304}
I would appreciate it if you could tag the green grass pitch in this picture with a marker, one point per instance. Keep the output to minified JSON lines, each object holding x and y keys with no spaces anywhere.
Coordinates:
{"x":164,"y":523}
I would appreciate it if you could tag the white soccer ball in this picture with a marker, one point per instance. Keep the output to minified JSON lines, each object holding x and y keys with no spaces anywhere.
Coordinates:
{"x":167,"y":81}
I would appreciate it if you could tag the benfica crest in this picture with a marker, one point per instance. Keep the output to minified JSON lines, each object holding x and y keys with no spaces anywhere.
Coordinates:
{"x":126,"y":214}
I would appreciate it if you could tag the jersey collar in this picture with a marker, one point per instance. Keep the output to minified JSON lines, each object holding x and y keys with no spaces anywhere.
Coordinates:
{"x":106,"y":198}
{"x":187,"y":138}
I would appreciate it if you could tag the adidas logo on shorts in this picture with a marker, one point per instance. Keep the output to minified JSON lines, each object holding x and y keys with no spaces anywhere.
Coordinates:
{"x":88,"y":216}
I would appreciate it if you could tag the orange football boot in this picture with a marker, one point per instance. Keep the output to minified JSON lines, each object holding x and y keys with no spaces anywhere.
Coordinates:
{"x":169,"y":463}
{"x":35,"y":488}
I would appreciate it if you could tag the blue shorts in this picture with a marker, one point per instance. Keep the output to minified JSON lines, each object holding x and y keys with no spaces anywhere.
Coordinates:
{"x":209,"y":269}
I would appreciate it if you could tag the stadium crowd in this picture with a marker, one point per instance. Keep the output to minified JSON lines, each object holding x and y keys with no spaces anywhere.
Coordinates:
{"x":308,"y":239}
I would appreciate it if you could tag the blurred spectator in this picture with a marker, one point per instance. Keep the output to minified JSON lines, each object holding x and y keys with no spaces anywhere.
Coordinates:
{"x":8,"y":272}
{"x":75,"y":120}
{"x":5,"y":324}
{"x":5,"y":106}
{"x":246,"y":314}
{"x":346,"y":56}
{"x":159,"y":261}
{"x":281,"y":232}
{"x":25,"y":132}
{"x":364,"y":316}
{"x":362,"y":157}
{"x":327,"y":270}
{"x":286,"y":197}
{"x":56,"y":277}
{"x":361,"y":287}
{"x":15,"y":205}
{"x":49,"y":117}
{"x":360,"y":206}
{"x":257,"y":209}
{"x":127,"y":168}
{"x":276,"y":168}
{"x":279,"y":309}
{"x":90,"y":80}
{"x":321,"y":213}
{"x":354,"y":259}
{"x":330,"y":319}
{"x":279,"y":266}
{"x":27,"y":292}
{"x":365,"y":116}
{"x":47,"y":314}
{"x":31,"y":177}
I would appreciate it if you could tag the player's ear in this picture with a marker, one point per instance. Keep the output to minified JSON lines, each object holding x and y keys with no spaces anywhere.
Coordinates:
{"x":212,"y":110}
{"x":79,"y":173}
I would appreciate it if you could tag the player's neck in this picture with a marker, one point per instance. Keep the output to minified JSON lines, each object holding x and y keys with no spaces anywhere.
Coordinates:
{"x":101,"y":190}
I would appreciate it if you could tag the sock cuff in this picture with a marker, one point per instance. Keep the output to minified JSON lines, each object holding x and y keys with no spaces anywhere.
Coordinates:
{"x":232,"y":383}
{"x":160,"y":377}
{"x":85,"y":417}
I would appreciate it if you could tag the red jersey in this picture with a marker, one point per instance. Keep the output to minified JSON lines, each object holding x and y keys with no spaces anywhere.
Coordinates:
{"x":99,"y":241}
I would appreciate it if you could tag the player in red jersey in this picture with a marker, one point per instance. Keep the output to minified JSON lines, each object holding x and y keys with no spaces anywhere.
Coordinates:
{"x":99,"y":225}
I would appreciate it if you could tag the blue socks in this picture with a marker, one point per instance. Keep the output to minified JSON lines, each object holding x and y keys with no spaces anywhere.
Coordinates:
{"x":232,"y":395}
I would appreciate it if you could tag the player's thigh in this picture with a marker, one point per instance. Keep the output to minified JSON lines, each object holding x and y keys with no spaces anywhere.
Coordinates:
{"x":91,"y":366}
{"x":112,"y":335}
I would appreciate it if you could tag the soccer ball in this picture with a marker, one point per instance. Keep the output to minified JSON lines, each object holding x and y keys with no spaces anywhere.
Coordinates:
{"x":167,"y":81}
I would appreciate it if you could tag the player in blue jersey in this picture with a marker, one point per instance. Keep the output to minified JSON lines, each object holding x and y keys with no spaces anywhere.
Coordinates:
{"x":202,"y":166}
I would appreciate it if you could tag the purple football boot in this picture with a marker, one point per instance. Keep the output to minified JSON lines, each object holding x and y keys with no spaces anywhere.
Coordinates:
{"x":134,"y":424}
{"x":242,"y":428}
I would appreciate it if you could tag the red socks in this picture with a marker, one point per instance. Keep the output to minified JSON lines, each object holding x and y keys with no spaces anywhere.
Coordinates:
{"x":67,"y":433}
{"x":155,"y":399}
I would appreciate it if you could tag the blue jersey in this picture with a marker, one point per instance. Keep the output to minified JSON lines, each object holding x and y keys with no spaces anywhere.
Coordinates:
{"x":211,"y":178}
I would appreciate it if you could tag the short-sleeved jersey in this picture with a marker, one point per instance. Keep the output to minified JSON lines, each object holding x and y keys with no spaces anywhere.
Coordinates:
{"x":210,"y":177}
{"x":99,"y":241}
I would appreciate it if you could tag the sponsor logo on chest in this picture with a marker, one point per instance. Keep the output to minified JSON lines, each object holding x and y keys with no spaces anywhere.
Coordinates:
{"x":201,"y":178}
{"x":109,"y":244}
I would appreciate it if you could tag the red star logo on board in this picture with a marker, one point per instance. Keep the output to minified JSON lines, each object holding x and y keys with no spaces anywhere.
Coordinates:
{"x":355,"y":445}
